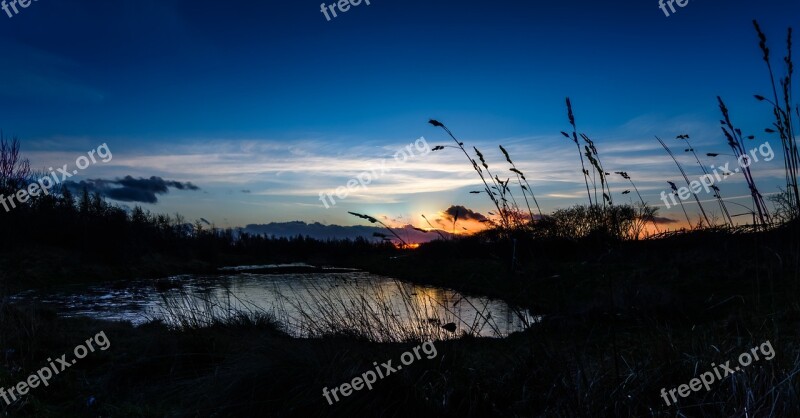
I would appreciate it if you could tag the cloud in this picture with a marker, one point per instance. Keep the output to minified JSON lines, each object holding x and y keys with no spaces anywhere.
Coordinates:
{"x":129,"y":189}
{"x":463,"y":213}
{"x":664,"y":221}
{"x":293,"y":173}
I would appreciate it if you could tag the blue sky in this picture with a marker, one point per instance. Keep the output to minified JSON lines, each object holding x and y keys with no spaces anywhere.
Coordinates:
{"x":263,"y":105}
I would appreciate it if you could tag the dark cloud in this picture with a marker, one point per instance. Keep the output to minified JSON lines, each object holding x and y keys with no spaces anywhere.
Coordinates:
{"x":246,"y":191}
{"x":661,"y":220}
{"x":129,"y":189}
{"x":154,"y":184}
{"x":463,"y":214}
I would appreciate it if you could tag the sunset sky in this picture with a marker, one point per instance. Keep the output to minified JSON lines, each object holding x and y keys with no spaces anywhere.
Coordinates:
{"x":263,"y":105}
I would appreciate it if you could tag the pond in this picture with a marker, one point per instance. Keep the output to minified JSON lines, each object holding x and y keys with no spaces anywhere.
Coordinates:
{"x":305,"y":301}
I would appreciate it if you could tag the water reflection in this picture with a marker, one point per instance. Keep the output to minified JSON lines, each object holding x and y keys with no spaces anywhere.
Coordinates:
{"x":354,"y":303}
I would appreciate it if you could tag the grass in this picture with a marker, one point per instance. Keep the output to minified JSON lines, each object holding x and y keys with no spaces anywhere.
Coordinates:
{"x":398,"y":312}
{"x":346,"y":306}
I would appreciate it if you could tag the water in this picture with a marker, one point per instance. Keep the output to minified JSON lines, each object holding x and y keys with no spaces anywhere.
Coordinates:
{"x":305,"y":304}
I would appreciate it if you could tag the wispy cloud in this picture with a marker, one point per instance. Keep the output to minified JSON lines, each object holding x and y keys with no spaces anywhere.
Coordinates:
{"x":293,"y":173}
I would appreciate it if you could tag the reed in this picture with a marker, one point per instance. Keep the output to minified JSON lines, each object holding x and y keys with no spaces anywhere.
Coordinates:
{"x":526,"y":187}
{"x":502,"y":196}
{"x":397,"y":312}
{"x":783,"y":108}
{"x":574,"y":139}
{"x":375,"y":220}
{"x":648,"y":212}
{"x":181,"y":310}
{"x":433,"y":228}
{"x":685,"y":178}
{"x":736,"y":143}
{"x":723,"y":209}
{"x":503,"y":218}
{"x":594,"y":159}
{"x":675,"y":192}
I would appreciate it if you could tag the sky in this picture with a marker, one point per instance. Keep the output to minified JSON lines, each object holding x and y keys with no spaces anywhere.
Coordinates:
{"x":244,"y":112}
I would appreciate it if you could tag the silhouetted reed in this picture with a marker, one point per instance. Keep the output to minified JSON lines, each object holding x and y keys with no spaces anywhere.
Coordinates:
{"x":736,"y":143}
{"x":574,"y":139}
{"x":399,"y":312}
{"x":685,"y":178}
{"x":648,"y":213}
{"x":782,"y":109}
{"x":375,"y":220}
{"x":723,"y":209}
{"x":526,"y":187}
{"x":433,"y":228}
{"x":181,"y":310}
{"x":492,"y":196}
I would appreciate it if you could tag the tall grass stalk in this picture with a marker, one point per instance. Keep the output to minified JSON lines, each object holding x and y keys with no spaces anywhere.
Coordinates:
{"x":594,"y":159}
{"x":685,"y":178}
{"x":574,"y":139}
{"x":181,"y":310}
{"x":375,"y":220}
{"x":433,"y":228}
{"x":784,"y":121}
{"x":645,"y":209}
{"x":736,"y":143}
{"x":717,"y":195}
{"x":495,"y":201}
{"x":399,"y":312}
{"x":527,"y":187}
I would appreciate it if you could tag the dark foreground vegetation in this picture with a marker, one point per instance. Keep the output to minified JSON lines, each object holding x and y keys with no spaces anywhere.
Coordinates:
{"x":619,"y":325}
{"x":623,"y":316}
